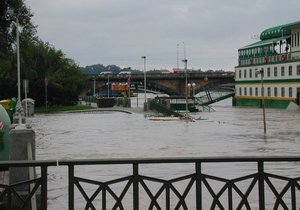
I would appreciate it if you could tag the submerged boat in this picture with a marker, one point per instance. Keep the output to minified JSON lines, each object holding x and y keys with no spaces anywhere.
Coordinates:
{"x":163,"y":118}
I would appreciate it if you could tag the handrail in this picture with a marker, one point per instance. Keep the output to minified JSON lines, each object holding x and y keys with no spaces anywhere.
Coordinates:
{"x":216,"y":159}
{"x":258,"y":182}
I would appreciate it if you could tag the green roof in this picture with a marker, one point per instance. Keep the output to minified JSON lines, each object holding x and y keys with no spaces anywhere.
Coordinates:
{"x":274,"y":34}
{"x":278,"y":31}
{"x":263,"y":42}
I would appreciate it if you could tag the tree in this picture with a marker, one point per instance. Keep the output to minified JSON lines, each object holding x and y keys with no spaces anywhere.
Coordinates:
{"x":41,"y":60}
{"x":8,"y":67}
{"x":38,"y":60}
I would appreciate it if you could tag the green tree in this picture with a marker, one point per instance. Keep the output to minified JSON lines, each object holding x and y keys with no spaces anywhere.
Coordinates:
{"x":9,"y":11}
{"x":39,"y":60}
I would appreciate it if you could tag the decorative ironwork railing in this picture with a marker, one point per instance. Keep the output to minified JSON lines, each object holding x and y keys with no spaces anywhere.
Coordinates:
{"x":196,"y":183}
{"x":198,"y":187}
{"x":13,"y":199}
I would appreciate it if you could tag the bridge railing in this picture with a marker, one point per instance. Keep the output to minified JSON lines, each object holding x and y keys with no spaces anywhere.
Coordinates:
{"x":176,"y":183}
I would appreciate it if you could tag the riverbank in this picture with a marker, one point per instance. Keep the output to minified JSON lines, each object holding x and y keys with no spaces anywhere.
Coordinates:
{"x":110,"y":109}
{"x":87,"y":108}
{"x":56,"y":109}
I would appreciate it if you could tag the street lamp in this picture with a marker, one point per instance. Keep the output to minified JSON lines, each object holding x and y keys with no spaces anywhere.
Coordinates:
{"x":189,"y":89}
{"x":129,"y":84}
{"x":108,"y":85}
{"x":94,"y":92}
{"x":186,"y":88}
{"x":193,"y":86}
{"x":184,"y":51}
{"x":177,"y":57}
{"x":261,"y":72}
{"x":145,"y":80}
{"x":19,"y":105}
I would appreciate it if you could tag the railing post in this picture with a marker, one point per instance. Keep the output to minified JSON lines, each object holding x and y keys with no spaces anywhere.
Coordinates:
{"x":71,"y":187}
{"x":230,"y":205}
{"x":261,"y":186}
{"x":293,"y":194}
{"x":104,"y":198}
{"x":198,"y":186}
{"x":44,"y":186}
{"x":167,"y":196}
{"x":135,"y":186}
{"x":9,"y":198}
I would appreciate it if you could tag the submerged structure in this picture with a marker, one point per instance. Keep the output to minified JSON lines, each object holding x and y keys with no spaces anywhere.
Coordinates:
{"x":269,"y":70}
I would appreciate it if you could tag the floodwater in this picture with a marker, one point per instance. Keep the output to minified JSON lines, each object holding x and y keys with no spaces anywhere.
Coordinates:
{"x":228,"y":131}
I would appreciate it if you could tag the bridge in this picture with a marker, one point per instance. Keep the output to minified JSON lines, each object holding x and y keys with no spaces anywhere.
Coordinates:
{"x":172,"y":84}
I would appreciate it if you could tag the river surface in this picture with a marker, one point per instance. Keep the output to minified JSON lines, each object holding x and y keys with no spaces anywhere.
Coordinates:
{"x":228,"y":131}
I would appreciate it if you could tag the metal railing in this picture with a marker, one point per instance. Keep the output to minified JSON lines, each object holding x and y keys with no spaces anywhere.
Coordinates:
{"x":137,"y":182}
{"x":163,"y":193}
{"x":12,"y":198}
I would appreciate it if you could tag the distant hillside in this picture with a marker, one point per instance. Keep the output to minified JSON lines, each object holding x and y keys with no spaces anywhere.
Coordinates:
{"x":98,"y":68}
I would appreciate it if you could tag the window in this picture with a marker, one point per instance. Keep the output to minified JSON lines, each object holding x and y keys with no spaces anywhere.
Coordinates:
{"x":282,"y":92}
{"x":290,"y":70}
{"x":240,"y":74}
{"x":268,"y":72}
{"x":256,"y":91}
{"x":245,"y":91}
{"x":250,"y":91}
{"x":275,"y":92}
{"x":256,"y":73}
{"x":290,"y":92}
{"x":298,"y":89}
{"x":245,"y":73}
{"x":298,"y":70}
{"x":282,"y":71}
{"x":240,"y":91}
{"x":269,"y":91}
{"x":250,"y":73}
{"x":275,"y":71}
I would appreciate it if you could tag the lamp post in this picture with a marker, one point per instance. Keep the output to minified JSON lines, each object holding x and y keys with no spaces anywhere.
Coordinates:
{"x":108,"y":85}
{"x":145,"y":83}
{"x":129,"y":84}
{"x":261,"y":72}
{"x":184,"y":51}
{"x":19,"y":105}
{"x":186,"y":88}
{"x":94,"y":91}
{"x":177,"y":56}
{"x":193,"y":86}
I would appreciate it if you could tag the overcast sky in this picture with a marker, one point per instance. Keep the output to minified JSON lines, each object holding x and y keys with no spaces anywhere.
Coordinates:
{"x":121,"y":31}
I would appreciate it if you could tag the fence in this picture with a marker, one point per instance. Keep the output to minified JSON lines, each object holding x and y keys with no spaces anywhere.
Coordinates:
{"x":260,"y":185}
